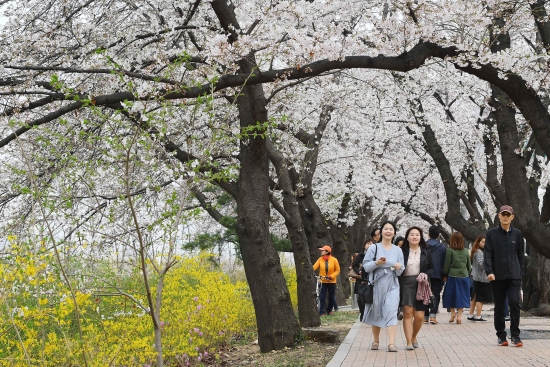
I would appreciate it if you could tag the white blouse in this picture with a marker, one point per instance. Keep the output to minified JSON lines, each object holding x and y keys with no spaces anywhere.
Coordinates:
{"x":413,"y":264}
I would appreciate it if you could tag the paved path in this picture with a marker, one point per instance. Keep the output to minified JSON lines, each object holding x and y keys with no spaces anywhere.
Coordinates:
{"x":468,"y":344}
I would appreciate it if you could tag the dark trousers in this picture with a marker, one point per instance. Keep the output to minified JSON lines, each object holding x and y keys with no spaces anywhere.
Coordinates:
{"x":331,"y":287}
{"x":506,"y":308}
{"x":501,"y":289}
{"x":437,"y":286}
{"x":361,"y":305}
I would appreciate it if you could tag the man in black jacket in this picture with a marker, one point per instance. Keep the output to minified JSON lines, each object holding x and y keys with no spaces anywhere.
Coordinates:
{"x":504,"y":263}
{"x":438,"y":251}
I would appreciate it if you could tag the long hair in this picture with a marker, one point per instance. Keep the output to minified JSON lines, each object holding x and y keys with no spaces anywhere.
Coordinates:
{"x":406,"y":244}
{"x":394,"y":229}
{"x":353,"y":256}
{"x":457,"y":241}
{"x":475,"y":246}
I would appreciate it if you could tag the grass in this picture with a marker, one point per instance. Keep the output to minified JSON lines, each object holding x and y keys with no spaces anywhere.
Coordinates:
{"x":340,"y":317}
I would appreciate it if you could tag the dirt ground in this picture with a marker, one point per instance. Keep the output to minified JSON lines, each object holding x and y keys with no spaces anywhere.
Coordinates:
{"x":306,"y":354}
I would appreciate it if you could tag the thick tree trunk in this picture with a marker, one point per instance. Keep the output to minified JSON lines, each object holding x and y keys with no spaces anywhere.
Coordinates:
{"x":307,"y":305}
{"x":514,"y":177}
{"x":277,"y":325}
{"x":536,"y":287}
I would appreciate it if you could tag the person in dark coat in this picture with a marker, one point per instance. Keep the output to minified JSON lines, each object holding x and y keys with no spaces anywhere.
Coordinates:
{"x":438,"y":251}
{"x":504,"y":261}
{"x":357,"y":266}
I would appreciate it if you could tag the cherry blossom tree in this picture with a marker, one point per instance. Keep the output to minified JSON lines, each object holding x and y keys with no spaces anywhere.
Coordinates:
{"x":191,"y":77}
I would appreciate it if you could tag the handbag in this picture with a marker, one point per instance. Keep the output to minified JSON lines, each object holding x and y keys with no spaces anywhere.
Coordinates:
{"x":366,"y":289}
{"x":366,"y":292}
{"x":353,"y":274}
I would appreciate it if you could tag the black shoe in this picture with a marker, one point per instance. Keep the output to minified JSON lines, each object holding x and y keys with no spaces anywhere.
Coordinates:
{"x":517,"y":341}
{"x":470,"y":317}
{"x":502,"y":341}
{"x":479,"y":319}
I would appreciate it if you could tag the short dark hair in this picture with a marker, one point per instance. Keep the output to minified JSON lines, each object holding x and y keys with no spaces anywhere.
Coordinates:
{"x":397,"y":239}
{"x":434,"y":232}
{"x":373,"y":232}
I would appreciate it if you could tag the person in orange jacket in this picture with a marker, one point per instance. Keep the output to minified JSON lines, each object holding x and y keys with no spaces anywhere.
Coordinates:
{"x":329,"y":268}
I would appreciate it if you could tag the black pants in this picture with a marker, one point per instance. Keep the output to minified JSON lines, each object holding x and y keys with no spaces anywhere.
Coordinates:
{"x":501,"y":289}
{"x":437,"y":286}
{"x":361,"y":305}
{"x":331,"y":287}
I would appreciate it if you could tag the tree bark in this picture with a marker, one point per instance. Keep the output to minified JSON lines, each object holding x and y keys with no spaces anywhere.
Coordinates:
{"x":536,"y":288}
{"x":514,"y":176}
{"x":277,"y":325}
{"x":308,"y":313}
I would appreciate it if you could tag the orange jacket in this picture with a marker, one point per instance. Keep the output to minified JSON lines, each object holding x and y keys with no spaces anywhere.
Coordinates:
{"x":332,"y":271}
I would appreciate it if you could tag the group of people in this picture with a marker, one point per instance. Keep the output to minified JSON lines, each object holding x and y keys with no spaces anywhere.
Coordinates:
{"x":408,"y":274}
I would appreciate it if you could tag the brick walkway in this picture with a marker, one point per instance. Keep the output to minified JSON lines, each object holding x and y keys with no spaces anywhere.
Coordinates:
{"x":468,"y":344}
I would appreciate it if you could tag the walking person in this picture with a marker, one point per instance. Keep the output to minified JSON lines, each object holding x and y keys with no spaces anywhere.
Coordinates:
{"x":399,"y":243}
{"x":482,"y":288}
{"x":457,"y":268}
{"x":376,"y":235}
{"x":438,"y":252}
{"x":384,"y":263}
{"x":357,"y":266}
{"x":329,"y":268}
{"x":505,"y":263}
{"x":418,"y":261}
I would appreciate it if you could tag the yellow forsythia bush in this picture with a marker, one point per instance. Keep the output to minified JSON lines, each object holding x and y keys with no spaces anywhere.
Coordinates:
{"x":289,"y":272}
{"x":201,"y":309}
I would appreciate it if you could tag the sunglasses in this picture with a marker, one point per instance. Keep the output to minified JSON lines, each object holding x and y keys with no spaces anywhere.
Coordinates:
{"x":506,"y":214}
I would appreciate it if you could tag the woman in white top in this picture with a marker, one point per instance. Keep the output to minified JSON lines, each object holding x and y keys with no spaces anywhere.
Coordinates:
{"x":418,"y":260}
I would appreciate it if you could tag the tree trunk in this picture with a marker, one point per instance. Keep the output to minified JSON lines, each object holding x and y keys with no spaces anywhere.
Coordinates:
{"x":277,"y":325}
{"x":453,"y":217}
{"x":536,"y":287}
{"x":307,"y":305}
{"x":514,"y":177}
{"x":315,"y":227}
{"x":340,"y":251}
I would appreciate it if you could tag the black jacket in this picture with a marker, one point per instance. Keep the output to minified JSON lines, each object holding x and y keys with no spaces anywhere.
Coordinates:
{"x":503,"y":254}
{"x":357,"y":266}
{"x":426,"y":264}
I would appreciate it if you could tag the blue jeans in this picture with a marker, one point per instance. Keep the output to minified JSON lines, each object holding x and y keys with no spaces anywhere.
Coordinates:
{"x":331,"y":288}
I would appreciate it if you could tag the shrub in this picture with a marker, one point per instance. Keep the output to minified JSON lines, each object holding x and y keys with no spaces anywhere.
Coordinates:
{"x":201,"y":309}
